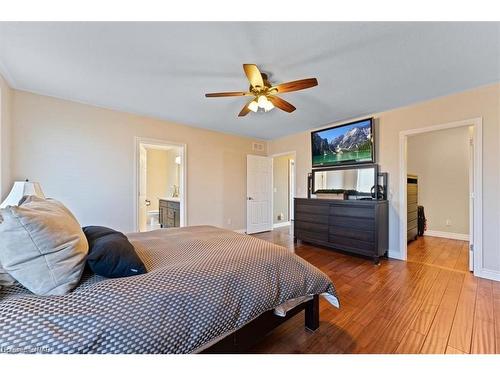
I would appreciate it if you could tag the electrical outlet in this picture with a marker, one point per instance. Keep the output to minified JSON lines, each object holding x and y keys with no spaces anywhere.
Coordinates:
{"x":448,"y":222}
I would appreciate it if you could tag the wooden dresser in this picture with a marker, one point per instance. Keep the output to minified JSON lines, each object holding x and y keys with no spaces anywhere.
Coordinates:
{"x":354,"y":226}
{"x":170,"y":213}
{"x":412,"y":205}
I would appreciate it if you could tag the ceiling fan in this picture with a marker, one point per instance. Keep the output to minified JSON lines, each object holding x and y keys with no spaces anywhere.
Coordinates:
{"x":263,"y":93}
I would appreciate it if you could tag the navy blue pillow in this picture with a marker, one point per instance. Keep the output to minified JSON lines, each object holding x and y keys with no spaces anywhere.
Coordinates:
{"x":111,"y":254}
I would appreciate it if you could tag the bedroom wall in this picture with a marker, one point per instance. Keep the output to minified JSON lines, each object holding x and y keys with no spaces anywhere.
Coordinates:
{"x":481,"y":102}
{"x":5,"y":137}
{"x":84,"y":156}
{"x":440,"y":159}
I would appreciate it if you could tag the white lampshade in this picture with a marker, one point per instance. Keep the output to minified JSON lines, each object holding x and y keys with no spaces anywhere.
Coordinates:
{"x":19,"y":190}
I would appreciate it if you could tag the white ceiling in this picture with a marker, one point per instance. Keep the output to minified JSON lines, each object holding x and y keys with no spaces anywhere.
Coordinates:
{"x":163,"y":69}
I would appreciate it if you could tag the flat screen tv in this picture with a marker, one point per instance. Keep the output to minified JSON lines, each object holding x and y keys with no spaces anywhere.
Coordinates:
{"x":350,"y":143}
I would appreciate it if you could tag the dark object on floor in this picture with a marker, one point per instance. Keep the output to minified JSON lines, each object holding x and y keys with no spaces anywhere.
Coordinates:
{"x":422,"y":221}
{"x":111,"y":254}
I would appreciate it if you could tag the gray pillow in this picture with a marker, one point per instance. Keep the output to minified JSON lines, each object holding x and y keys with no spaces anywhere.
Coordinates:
{"x":42,"y":246}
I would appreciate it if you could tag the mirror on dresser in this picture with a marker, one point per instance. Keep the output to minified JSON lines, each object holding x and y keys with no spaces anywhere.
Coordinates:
{"x":349,"y":182}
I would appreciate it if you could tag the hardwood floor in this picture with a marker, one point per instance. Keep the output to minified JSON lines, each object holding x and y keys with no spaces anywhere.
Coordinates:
{"x":430,"y":304}
{"x":441,"y":252}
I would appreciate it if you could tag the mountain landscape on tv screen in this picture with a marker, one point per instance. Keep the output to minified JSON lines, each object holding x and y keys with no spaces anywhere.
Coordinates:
{"x":349,"y":144}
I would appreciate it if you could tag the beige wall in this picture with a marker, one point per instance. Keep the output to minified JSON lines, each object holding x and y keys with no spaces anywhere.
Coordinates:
{"x":481,"y":102}
{"x":281,"y":188}
{"x":440,"y":159}
{"x":84,"y":156}
{"x":5,"y":137}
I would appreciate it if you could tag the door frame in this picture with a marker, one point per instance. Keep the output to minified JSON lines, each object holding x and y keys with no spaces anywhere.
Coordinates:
{"x":138,"y":141}
{"x":476,"y":212}
{"x":290,"y":199}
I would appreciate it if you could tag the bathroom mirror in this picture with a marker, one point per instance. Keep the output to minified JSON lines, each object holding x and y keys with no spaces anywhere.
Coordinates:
{"x":351,"y":182}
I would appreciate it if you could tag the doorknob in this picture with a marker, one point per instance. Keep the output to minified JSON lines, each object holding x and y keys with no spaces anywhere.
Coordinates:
{"x":250,"y":198}
{"x":148,"y":202}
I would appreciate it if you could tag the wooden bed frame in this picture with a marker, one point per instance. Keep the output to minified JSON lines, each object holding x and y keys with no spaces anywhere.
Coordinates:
{"x":251,"y":333}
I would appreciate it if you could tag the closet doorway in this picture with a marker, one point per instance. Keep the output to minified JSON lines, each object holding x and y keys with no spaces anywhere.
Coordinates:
{"x":441,"y":169}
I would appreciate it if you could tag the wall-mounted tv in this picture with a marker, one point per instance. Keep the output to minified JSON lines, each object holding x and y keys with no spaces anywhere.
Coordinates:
{"x":351,"y":143}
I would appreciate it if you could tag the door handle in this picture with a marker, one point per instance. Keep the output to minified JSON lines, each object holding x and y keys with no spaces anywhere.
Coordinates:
{"x":148,"y":202}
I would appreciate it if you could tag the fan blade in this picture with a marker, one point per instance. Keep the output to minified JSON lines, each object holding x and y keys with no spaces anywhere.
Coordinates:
{"x":234,"y":93}
{"x":301,"y":84}
{"x":245,"y":109}
{"x":254,"y":75}
{"x":281,"y":104}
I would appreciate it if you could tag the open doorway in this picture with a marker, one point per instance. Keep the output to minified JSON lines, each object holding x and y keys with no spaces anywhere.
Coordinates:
{"x":441,"y":177}
{"x":283,"y":190}
{"x":161,"y":198}
{"x":438,"y":185}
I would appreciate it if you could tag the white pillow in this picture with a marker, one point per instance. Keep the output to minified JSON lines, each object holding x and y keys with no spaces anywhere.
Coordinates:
{"x":42,"y":246}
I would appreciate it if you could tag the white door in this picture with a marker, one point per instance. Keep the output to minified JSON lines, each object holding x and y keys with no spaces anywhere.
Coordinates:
{"x":143,"y":199}
{"x":259,"y":193}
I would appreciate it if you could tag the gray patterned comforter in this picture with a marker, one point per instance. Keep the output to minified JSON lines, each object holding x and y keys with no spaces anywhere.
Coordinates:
{"x":202,"y":283}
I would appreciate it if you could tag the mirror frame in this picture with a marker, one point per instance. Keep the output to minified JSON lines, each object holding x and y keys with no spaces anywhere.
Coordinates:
{"x":344,"y":167}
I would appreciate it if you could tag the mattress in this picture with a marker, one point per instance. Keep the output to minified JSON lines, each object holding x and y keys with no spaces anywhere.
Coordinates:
{"x":202,"y":283}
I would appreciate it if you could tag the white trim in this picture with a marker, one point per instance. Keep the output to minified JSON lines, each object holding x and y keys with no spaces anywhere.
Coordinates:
{"x":451,"y":236}
{"x":283,"y":224}
{"x":183,"y":183}
{"x":487,"y":274}
{"x":477,"y":213}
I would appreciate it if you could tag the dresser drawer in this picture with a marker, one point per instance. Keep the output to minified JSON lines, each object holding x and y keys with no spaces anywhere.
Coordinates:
{"x":412,"y":224}
{"x":363,"y":247}
{"x":361,"y":212}
{"x":311,"y":218}
{"x":361,"y":235}
{"x":352,"y":222}
{"x":412,"y":207}
{"x":412,"y":189}
{"x":316,"y":209}
{"x":412,"y":198}
{"x":305,"y":235}
{"x":310,"y":227}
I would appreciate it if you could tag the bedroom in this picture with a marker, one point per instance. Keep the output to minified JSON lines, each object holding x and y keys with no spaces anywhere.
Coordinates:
{"x":78,"y":97}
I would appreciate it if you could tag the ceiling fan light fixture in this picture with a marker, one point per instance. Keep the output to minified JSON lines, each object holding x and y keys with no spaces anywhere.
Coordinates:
{"x":253,"y":106}
{"x":262,"y":101}
{"x":268,"y":106}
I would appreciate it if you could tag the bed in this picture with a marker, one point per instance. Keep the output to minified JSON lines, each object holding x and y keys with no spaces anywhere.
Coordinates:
{"x":206,"y":290}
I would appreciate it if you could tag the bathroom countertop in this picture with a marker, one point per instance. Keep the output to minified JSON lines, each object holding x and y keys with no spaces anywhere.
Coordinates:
{"x":172,"y":199}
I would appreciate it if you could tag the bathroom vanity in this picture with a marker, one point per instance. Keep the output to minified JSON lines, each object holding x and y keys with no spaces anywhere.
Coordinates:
{"x":170,"y":212}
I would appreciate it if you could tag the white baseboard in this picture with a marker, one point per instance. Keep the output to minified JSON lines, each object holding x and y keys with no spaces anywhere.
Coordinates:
{"x":242,"y":231}
{"x":488,"y":274}
{"x":452,"y":236}
{"x":279,"y":225}
{"x":394,"y":254}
